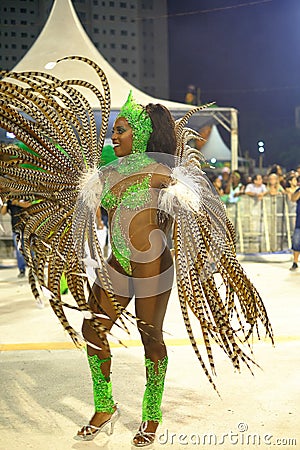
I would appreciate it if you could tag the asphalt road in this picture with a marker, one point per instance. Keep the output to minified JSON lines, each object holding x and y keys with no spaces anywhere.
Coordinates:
{"x":46,"y":390}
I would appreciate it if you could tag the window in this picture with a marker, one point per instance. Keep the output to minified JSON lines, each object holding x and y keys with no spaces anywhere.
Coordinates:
{"x":112,"y":18}
{"x":96,"y":30}
{"x":112,"y":45}
{"x":23,"y":34}
{"x":13,"y":46}
{"x":24,"y":46}
{"x":112,"y":32}
{"x":124,"y":60}
{"x":112,"y":4}
{"x":123,"y":5}
{"x":13,"y":22}
{"x":124,"y":32}
{"x":124,"y":46}
{"x":96,"y":16}
{"x":148,"y":4}
{"x":23,"y":22}
{"x":23,"y":10}
{"x":113,"y":59}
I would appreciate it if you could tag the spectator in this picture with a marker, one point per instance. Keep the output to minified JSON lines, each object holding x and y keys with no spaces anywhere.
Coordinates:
{"x":235,"y":188}
{"x":276,"y":168}
{"x":274,"y":187}
{"x":256,"y":189}
{"x":291,"y":184}
{"x":14,"y":208}
{"x":296,"y":235}
{"x":217,"y":183}
{"x":225,"y":177}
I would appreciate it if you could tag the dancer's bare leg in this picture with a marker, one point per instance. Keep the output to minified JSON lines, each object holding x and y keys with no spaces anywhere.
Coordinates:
{"x":98,"y":345}
{"x":152,"y":285}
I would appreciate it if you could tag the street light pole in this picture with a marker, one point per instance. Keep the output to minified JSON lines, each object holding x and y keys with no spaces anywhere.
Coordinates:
{"x":261,"y":150}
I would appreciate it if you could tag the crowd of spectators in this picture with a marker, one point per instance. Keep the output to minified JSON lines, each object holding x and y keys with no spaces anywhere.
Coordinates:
{"x":231,"y":185}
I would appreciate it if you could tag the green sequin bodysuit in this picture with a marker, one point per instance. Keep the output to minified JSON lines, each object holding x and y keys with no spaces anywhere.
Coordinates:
{"x":134,"y":197}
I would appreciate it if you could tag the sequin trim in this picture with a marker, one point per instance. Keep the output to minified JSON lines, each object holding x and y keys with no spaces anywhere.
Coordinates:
{"x":134,"y":197}
{"x":101,"y":387}
{"x":154,"y":389}
{"x":140,"y":122}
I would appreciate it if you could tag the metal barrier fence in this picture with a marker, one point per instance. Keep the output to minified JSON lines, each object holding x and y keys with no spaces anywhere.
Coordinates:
{"x":7,"y":251}
{"x":264,"y":225}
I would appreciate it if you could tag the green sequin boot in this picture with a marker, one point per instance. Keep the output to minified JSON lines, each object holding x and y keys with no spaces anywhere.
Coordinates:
{"x":154,"y":389}
{"x":103,"y":402}
{"x":101,"y":386}
{"x":151,"y":402}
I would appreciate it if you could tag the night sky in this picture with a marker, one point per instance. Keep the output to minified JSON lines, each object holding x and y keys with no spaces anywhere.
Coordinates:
{"x":244,"y":54}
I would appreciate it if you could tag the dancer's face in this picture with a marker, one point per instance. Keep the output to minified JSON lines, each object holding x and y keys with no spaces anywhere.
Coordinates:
{"x":122,"y":137}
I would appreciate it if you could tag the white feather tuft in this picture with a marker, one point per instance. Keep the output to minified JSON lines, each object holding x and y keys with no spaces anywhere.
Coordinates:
{"x":90,"y":185}
{"x":184,"y":191}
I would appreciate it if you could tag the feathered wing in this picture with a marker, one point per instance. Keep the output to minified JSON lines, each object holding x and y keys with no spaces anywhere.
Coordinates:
{"x":61,"y":153}
{"x":212,"y":285}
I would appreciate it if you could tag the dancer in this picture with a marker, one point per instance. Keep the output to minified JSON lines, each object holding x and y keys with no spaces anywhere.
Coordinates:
{"x":143,"y":191}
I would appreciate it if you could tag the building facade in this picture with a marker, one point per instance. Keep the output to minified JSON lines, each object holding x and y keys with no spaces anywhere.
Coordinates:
{"x":132,"y":35}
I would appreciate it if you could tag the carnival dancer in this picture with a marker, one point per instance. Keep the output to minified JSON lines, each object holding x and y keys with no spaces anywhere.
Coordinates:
{"x":157,"y":184}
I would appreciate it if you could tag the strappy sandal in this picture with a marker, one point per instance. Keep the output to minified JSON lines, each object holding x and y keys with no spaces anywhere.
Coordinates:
{"x":89,"y":432}
{"x":147,"y":436}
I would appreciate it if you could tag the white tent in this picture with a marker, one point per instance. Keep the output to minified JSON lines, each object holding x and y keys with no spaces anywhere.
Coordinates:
{"x":63,"y":35}
{"x":215,"y":147}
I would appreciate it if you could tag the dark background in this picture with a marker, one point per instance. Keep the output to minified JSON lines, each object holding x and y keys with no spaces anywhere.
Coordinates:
{"x":244,"y":54}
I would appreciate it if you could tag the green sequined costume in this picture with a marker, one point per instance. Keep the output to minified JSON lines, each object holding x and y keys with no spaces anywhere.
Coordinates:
{"x":134,"y":197}
{"x":102,"y":388}
{"x":154,"y":389}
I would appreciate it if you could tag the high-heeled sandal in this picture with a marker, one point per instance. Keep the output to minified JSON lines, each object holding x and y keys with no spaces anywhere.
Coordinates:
{"x":89,"y":432}
{"x":147,"y":436}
